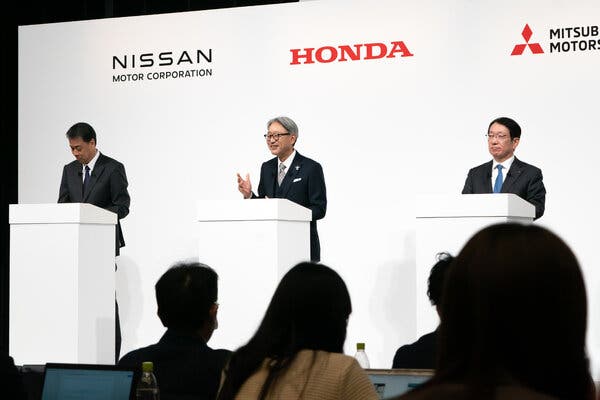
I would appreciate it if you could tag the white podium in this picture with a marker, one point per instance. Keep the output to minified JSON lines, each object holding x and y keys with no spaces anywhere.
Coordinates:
{"x":446,"y":223}
{"x":251,"y":244}
{"x":62,"y":283}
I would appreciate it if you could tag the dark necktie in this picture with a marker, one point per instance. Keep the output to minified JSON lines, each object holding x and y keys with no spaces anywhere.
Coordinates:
{"x":498,"y":183}
{"x":86,"y":177}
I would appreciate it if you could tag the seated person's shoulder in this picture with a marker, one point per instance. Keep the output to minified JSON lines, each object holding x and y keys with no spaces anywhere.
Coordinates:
{"x":221,"y":356}
{"x":12,"y":381}
{"x":336,"y":361}
{"x":459,"y":392}
{"x":517,"y":392}
{"x":417,"y":355}
{"x":137,"y":357}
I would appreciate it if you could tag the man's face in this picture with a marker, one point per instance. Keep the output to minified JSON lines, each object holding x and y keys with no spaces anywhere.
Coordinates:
{"x":282,"y":147}
{"x":500,"y":145}
{"x":83,"y":151}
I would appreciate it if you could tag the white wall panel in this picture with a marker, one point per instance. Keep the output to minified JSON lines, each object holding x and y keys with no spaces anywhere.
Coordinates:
{"x":384,"y":130}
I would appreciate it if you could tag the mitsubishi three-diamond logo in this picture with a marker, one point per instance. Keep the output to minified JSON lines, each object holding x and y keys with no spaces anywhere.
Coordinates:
{"x":520,"y":48}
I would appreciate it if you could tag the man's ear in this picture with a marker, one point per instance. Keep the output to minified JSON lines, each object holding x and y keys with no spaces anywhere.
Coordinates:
{"x":516,"y":142}
{"x":213,"y":314}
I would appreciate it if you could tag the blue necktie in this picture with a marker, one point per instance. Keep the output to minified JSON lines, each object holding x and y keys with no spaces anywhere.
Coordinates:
{"x":498,"y":183}
{"x":86,"y":178}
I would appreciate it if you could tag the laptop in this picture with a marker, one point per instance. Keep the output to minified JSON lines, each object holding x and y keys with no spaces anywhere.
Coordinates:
{"x":394,"y":382}
{"x":88,"y":381}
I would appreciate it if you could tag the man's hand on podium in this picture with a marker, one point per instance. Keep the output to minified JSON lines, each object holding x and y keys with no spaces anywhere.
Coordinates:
{"x":244,"y":186}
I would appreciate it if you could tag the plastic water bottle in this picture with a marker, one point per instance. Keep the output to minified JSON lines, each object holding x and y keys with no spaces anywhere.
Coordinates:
{"x":361,"y":356}
{"x":147,"y":388}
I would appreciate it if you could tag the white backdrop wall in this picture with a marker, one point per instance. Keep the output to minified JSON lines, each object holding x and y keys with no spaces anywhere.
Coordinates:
{"x":384,"y":130}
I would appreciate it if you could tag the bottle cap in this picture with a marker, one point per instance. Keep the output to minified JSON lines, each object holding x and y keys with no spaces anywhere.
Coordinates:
{"x":360,"y":346}
{"x":147,"y":366}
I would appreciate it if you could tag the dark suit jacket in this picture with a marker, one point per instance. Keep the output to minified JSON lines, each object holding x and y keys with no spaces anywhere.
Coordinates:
{"x":303,"y":184}
{"x":107,"y":189}
{"x":523,"y":179}
{"x":12,"y":383}
{"x":462,"y":391}
{"x":418,"y":355}
{"x":185,"y":367}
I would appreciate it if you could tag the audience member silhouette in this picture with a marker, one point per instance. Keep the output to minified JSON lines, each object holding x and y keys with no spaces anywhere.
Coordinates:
{"x":12,"y":382}
{"x":513,"y":320}
{"x":296,"y":353}
{"x":185,"y":367}
{"x":422,"y":353}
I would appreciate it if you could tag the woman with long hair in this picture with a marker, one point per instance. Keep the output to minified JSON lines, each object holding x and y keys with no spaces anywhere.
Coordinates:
{"x":513,"y":322}
{"x":297,"y":351}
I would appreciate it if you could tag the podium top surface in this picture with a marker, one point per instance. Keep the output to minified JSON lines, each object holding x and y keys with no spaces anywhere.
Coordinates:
{"x":252,"y":210}
{"x":474,"y":205}
{"x":65,"y":213}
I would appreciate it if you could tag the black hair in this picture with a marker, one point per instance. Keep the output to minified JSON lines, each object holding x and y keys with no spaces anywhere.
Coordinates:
{"x":514,"y":308}
{"x":435,"y":283}
{"x":309,"y":310}
{"x":513,"y":128}
{"x":82,"y":130}
{"x":185,"y":294}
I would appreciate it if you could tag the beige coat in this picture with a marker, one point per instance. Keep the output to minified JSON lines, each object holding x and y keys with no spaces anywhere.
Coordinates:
{"x":314,"y":375}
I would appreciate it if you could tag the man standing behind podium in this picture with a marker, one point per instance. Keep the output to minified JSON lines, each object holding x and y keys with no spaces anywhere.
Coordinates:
{"x":95,"y":179}
{"x":290,"y":176}
{"x":506,"y":173}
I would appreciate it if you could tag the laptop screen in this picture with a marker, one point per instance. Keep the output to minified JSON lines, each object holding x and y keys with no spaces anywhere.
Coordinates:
{"x":87,"y":381}
{"x":394,"y":382}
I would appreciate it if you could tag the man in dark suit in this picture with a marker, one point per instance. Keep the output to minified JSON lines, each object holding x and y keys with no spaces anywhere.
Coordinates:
{"x":107,"y":183}
{"x":422,"y":354}
{"x":95,"y":179}
{"x":506,"y":173}
{"x":290,"y":176}
{"x":185,"y":367}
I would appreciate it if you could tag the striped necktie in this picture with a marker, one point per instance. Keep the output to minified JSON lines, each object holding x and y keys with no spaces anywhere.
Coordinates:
{"x":281,"y":173}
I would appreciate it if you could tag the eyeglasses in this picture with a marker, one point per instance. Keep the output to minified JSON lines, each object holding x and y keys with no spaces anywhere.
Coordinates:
{"x":499,"y":136}
{"x":270,"y":136}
